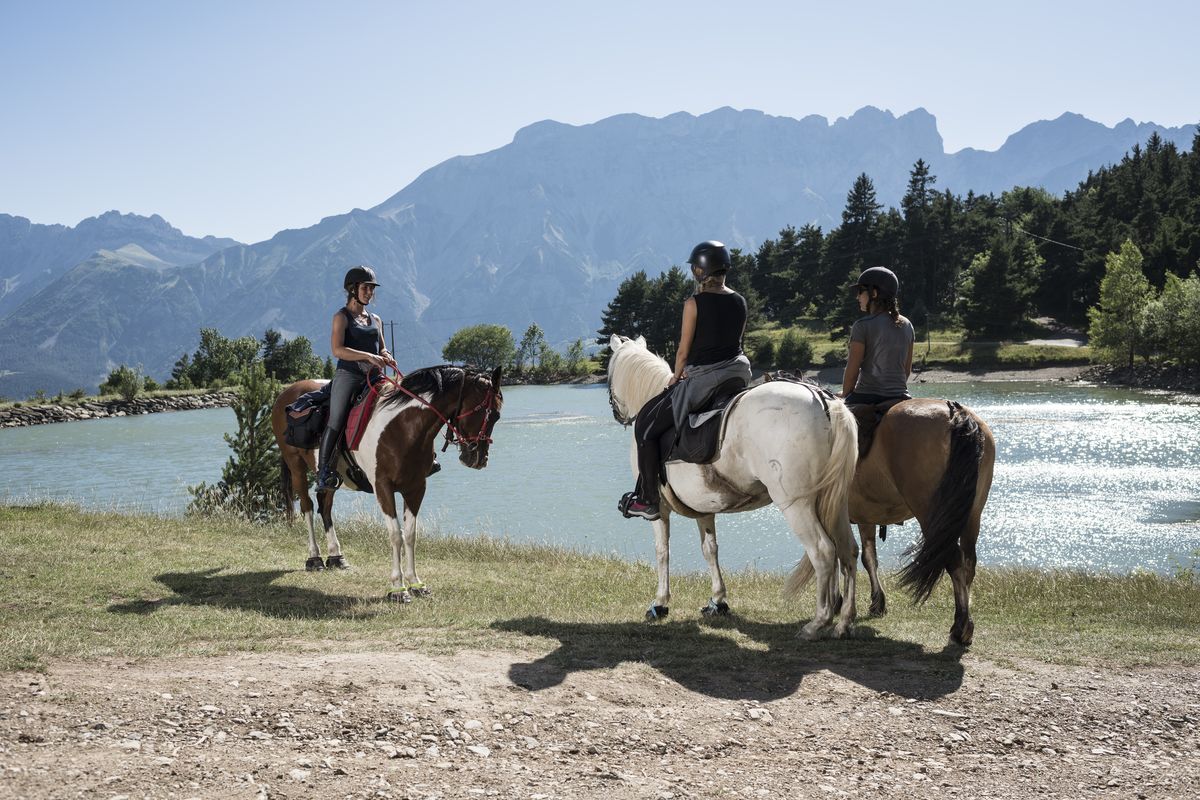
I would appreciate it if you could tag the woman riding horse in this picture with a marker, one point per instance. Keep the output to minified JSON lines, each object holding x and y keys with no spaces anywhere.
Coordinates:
{"x":881,"y":343}
{"x":356,"y":341}
{"x":709,"y":354}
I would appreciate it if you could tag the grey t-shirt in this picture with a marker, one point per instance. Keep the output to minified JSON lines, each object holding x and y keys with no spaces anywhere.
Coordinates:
{"x":887,"y":346}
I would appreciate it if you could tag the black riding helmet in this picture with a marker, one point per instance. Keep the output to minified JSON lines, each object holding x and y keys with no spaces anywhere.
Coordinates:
{"x":880,"y":278}
{"x":710,"y":257}
{"x":359,"y":274}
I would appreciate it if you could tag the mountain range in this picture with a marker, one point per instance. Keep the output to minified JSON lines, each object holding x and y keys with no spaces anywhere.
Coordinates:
{"x":541,"y":230}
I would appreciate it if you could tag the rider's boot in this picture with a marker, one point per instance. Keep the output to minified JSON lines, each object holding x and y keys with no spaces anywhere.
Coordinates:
{"x":327,"y":477}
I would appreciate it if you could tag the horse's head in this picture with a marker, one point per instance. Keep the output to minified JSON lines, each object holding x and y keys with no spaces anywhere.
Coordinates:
{"x":479,"y":411}
{"x":634,"y":376}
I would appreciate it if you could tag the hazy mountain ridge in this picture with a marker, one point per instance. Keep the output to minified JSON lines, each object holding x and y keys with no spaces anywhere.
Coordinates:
{"x":542,"y":229}
{"x":32,"y":256}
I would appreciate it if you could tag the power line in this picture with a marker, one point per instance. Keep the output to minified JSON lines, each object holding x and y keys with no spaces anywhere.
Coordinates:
{"x":1043,"y":238}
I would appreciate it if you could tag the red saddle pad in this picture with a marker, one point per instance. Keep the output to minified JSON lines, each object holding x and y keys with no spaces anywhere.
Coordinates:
{"x":360,"y":415}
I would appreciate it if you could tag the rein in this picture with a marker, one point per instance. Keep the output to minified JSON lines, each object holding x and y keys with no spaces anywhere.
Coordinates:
{"x":453,"y":434}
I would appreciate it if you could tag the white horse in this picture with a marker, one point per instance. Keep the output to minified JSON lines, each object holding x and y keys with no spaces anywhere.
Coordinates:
{"x":783,"y":443}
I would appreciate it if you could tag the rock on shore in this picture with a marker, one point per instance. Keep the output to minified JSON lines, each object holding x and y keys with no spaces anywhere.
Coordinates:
{"x":42,"y":414}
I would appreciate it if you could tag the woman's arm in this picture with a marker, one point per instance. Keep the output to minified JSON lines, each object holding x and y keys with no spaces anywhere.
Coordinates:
{"x":908,"y":362}
{"x":687,"y":333}
{"x":383,"y":351}
{"x":337,"y":344}
{"x":853,"y":367}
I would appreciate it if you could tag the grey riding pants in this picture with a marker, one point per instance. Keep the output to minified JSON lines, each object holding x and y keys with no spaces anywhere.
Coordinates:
{"x":343,"y":389}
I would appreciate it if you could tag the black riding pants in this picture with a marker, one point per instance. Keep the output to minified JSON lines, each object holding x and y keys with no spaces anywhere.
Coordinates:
{"x":656,"y":418}
{"x":344,"y":388}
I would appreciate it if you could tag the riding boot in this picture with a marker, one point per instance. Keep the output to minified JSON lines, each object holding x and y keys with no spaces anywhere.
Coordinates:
{"x":327,"y":477}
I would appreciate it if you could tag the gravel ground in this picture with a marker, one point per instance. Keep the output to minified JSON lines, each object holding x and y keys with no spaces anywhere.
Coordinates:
{"x":526,"y":725}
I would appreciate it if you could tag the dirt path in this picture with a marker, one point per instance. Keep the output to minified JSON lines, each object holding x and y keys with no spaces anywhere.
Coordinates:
{"x":525,"y":725}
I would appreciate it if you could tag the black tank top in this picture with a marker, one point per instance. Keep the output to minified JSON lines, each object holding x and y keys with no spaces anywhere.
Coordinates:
{"x":720,"y":319}
{"x":359,"y":337}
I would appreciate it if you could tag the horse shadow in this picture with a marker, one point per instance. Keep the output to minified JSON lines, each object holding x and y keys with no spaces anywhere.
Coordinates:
{"x":772,"y":665}
{"x":246,"y":591}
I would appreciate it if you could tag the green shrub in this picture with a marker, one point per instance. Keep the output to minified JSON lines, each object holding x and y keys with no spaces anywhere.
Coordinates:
{"x":764,"y":356}
{"x":39,"y":396}
{"x":250,"y":480}
{"x":150,"y":385}
{"x":78,"y":394}
{"x":794,"y":352}
{"x":123,"y":381}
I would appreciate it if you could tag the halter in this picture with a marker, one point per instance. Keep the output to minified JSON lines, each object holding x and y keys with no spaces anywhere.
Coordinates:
{"x":616,"y":409}
{"x":453,"y":434}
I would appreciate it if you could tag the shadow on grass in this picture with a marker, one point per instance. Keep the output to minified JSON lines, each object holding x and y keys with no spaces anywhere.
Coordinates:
{"x":247,"y":591}
{"x":700,"y":658}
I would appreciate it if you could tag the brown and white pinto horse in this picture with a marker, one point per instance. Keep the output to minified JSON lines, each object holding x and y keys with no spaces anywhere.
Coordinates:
{"x":933,"y":460}
{"x":396,"y":452}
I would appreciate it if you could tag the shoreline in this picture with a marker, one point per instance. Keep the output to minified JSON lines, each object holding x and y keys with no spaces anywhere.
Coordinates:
{"x":1142,"y":377}
{"x":28,"y":414}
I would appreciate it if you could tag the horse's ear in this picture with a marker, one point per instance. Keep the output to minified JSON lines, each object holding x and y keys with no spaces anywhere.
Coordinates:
{"x":641,"y":340}
{"x":614,"y":342}
{"x":496,"y":376}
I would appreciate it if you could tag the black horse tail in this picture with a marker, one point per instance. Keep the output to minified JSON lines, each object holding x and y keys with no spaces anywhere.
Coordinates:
{"x":937,"y":549}
{"x":285,"y":486}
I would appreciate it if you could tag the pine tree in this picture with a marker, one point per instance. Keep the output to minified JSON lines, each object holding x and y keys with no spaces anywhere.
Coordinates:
{"x":1124,"y":293}
{"x":998,"y":287}
{"x":250,"y":480}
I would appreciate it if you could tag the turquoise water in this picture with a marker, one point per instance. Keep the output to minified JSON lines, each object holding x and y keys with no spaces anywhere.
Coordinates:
{"x":1090,"y":478}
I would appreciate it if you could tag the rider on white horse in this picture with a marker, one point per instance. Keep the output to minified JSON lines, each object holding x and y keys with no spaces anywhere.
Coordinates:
{"x":709,"y":354}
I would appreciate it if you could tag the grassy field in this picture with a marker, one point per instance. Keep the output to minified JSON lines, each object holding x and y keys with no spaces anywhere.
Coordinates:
{"x":947,"y":348}
{"x":78,"y":585}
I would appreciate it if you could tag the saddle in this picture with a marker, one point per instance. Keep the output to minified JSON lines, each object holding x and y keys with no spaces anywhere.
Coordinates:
{"x":868,"y":416}
{"x":699,"y":441}
{"x":308,"y":415}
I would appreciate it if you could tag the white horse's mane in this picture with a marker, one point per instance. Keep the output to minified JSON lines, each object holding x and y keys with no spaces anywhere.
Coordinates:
{"x":637,"y":375}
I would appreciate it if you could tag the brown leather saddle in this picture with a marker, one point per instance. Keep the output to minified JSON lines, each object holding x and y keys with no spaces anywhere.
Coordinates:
{"x":868,"y":416}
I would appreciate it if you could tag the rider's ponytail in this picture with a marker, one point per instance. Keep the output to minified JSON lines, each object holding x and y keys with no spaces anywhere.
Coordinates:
{"x":887,"y":303}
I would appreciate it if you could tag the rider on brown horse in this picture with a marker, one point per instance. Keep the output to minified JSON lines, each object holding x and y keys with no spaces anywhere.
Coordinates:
{"x":881,"y":343}
{"x":357,"y":343}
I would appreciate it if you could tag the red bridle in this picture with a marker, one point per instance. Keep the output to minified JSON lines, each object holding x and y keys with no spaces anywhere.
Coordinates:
{"x":453,"y":434}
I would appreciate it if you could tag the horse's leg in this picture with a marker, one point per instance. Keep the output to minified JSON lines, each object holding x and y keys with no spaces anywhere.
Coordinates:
{"x":708,"y":545}
{"x":961,"y":574}
{"x":412,"y":505}
{"x":870,"y":560}
{"x":820,"y":550}
{"x":662,"y":552}
{"x":300,"y":487}
{"x":333,"y":548}
{"x":385,"y":493}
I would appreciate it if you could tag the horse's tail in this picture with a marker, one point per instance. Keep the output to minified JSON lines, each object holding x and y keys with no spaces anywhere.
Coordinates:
{"x":285,"y":486}
{"x":833,"y":490}
{"x":951,"y":505}
{"x":832,"y":494}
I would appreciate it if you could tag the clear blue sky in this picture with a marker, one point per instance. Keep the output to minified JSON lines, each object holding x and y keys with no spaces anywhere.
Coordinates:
{"x":243,"y":118}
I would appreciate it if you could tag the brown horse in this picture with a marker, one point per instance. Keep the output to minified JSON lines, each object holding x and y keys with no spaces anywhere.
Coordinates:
{"x":395,"y":453}
{"x":933,"y":460}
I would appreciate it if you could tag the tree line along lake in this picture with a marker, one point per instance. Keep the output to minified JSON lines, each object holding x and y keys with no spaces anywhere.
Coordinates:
{"x":1090,"y":478}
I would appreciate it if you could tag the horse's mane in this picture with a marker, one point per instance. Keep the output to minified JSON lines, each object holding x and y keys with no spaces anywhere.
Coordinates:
{"x":641,"y":375}
{"x":432,"y":380}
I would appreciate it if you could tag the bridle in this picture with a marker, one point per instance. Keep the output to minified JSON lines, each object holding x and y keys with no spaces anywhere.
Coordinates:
{"x":453,"y":433}
{"x":616,"y":407}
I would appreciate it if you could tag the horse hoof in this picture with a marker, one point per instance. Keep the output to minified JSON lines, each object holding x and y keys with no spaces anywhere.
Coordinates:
{"x":400,"y":596}
{"x":336,"y":562}
{"x":314,"y":564}
{"x":714,"y":609}
{"x":420,"y":591}
{"x":843,"y":631}
{"x":656,"y":613}
{"x":964,"y":637}
{"x":879,"y":606}
{"x":811,"y":632}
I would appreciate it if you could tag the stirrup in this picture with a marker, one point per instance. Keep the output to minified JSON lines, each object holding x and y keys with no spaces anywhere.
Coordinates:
{"x":625,"y":502}
{"x":329,"y":482}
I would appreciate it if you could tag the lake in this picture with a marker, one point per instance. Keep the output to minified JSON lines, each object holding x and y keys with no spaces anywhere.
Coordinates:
{"x":1092,"y":478}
